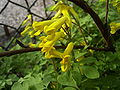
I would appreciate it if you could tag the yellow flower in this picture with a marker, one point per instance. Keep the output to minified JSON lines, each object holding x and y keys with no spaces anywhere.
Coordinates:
{"x":27,"y":29}
{"x":68,"y":49}
{"x":29,"y":18}
{"x":47,"y":46}
{"x":50,"y":42}
{"x":32,"y":45}
{"x":39,"y":26}
{"x":44,"y":40}
{"x":114,"y":27}
{"x":55,"y":26}
{"x":66,"y":59}
{"x":31,"y":33}
{"x":65,"y":63}
{"x":53,"y":53}
{"x":64,"y":10}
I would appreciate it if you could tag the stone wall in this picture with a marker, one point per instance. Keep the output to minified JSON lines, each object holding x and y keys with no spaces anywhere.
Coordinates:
{"x":13,"y":15}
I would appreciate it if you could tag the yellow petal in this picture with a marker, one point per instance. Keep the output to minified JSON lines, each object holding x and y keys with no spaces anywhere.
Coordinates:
{"x":27,"y":28}
{"x":53,"y":53}
{"x":40,"y":25}
{"x":47,"y":46}
{"x":32,"y":45}
{"x":114,"y":27}
{"x":68,"y":49}
{"x":44,"y":40}
{"x":65,"y":63}
{"x":31,"y":33}
{"x":29,"y":18}
{"x":57,"y":15}
{"x":37,"y":33}
{"x":58,"y":35}
{"x":50,"y":37}
{"x":55,"y":26}
{"x":56,"y":6}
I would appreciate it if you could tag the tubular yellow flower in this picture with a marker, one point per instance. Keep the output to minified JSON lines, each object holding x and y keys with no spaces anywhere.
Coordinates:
{"x":66,"y":59}
{"x":31,"y":33}
{"x":50,"y":37}
{"x":114,"y":27}
{"x":53,"y":53}
{"x":29,"y":18}
{"x":57,"y":15}
{"x":56,"y":6}
{"x":68,"y":49}
{"x":64,"y":10}
{"x":39,"y":26}
{"x":27,"y":28}
{"x":49,"y":43}
{"x":44,"y":40}
{"x":65,"y":63}
{"x":37,"y":33}
{"x":47,"y":46}
{"x":32,"y":45}
{"x":55,"y":26}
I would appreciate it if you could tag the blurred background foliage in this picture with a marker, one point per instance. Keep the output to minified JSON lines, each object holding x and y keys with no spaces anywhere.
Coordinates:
{"x":99,"y":70}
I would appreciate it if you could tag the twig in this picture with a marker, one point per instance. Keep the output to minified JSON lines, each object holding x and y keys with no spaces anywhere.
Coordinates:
{"x":14,"y":52}
{"x":80,"y":29}
{"x":106,"y":17}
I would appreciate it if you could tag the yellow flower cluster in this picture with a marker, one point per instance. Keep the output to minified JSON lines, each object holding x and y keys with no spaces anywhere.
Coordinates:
{"x":54,"y":29}
{"x":114,"y":27}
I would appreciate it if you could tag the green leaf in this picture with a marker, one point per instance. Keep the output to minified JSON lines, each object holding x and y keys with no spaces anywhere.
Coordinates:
{"x":90,"y":72}
{"x":78,"y":54}
{"x":47,"y":79}
{"x":77,"y":77}
{"x":69,"y":88}
{"x":66,"y":79}
{"x":88,"y":60}
{"x":49,"y":70}
{"x":17,"y":86}
{"x":9,"y":82}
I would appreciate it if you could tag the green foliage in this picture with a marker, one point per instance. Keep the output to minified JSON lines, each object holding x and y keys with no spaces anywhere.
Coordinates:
{"x":99,"y":70}
{"x":90,"y":72}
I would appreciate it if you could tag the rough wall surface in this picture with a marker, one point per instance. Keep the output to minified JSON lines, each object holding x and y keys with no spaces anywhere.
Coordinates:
{"x":13,"y":15}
